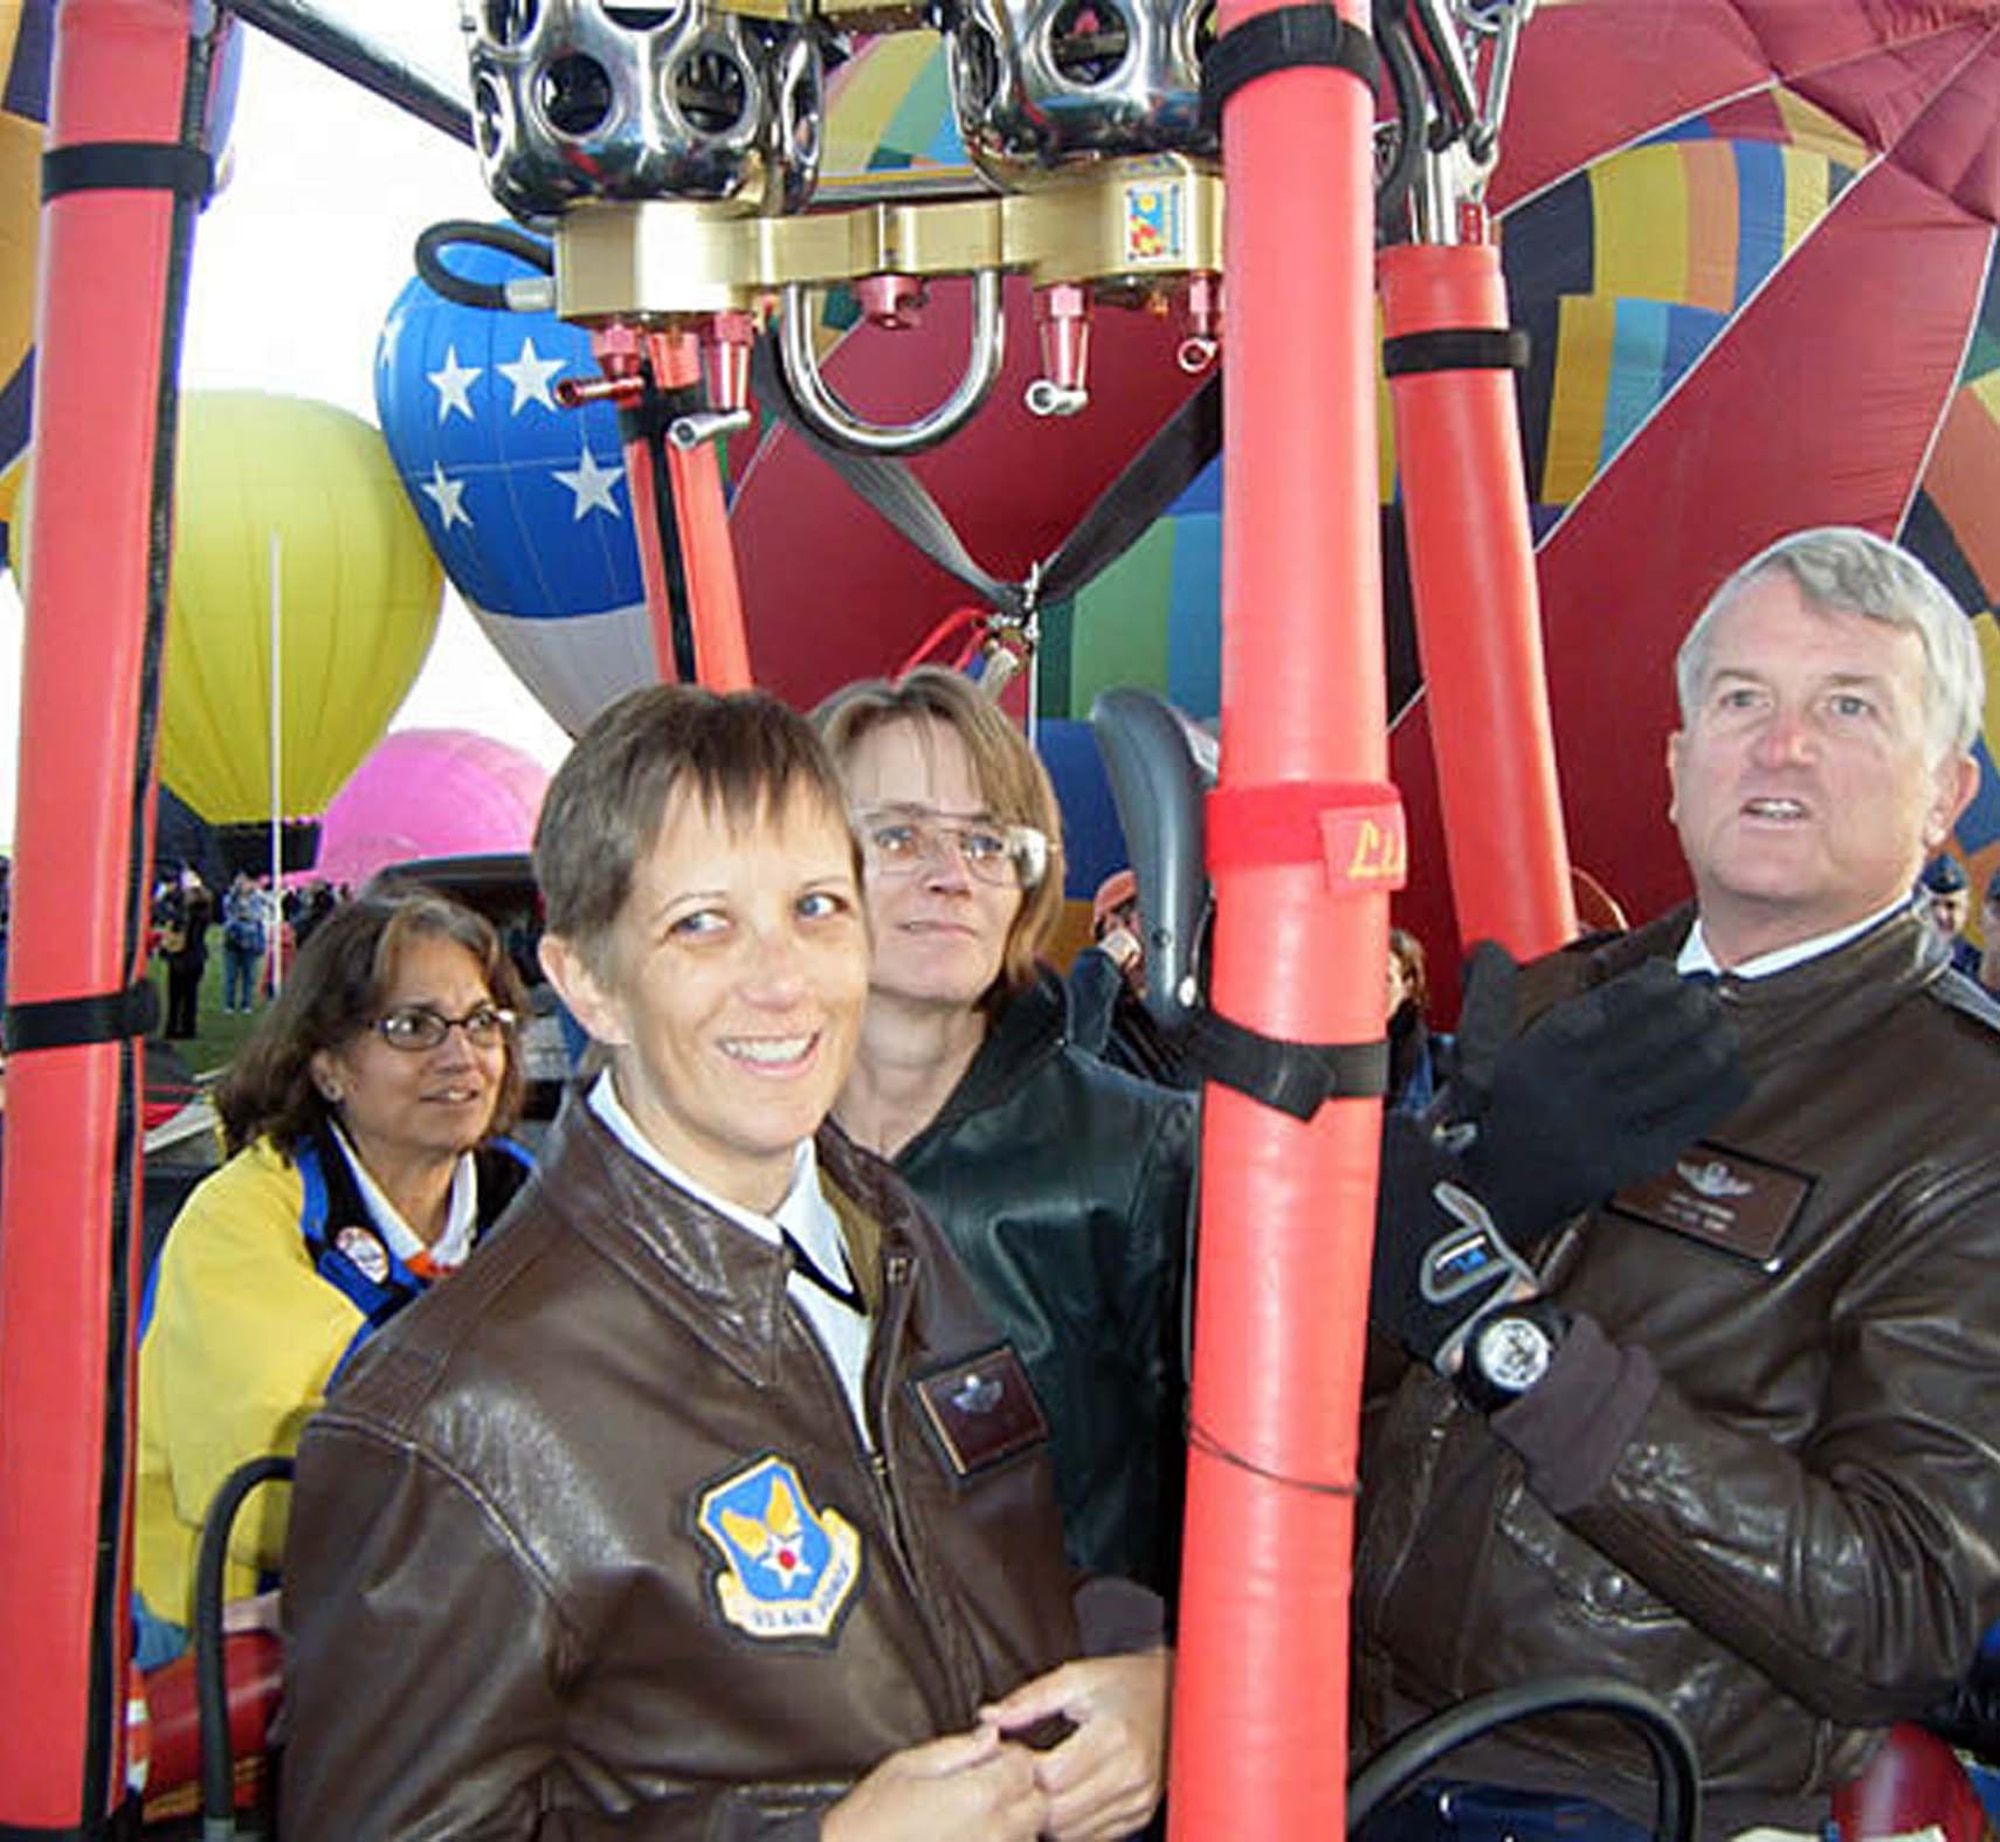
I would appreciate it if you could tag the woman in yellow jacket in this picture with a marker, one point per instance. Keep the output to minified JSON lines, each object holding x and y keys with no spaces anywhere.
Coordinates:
{"x":364,"y":1118}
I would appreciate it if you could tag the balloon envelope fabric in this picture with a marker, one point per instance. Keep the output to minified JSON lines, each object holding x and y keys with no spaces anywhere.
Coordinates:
{"x":430,"y":793}
{"x":890,"y":108}
{"x":27,"y":29}
{"x":525,"y":503}
{"x":1755,"y":241}
{"x":1625,"y":273}
{"x":360,"y":600}
{"x":27,"y":45}
{"x":1153,"y":619}
{"x":1752,"y":241}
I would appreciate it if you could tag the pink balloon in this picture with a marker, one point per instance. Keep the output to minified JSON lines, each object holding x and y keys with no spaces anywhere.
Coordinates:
{"x":430,"y":793}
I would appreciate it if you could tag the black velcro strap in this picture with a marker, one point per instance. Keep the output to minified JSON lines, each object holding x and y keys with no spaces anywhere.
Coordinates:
{"x":128,"y":166}
{"x":1296,"y":1078}
{"x":1280,"y":39}
{"x":1457,"y":348}
{"x":66,"y":1023}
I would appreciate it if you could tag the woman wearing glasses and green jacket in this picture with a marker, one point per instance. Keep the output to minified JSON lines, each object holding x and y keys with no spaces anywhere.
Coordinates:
{"x":1062,"y":1183}
{"x":364,"y":1118}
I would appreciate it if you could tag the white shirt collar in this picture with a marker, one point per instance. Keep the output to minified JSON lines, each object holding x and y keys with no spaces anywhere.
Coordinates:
{"x":805,"y":1214}
{"x":1695,"y":955}
{"x":804,"y":1210}
{"x":461,"y":1215}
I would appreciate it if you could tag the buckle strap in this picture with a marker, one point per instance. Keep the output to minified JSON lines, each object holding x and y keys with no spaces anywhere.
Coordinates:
{"x":1295,"y":1078}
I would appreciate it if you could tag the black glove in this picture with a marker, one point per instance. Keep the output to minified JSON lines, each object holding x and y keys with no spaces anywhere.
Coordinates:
{"x":1605,"y":1087}
{"x":1440,"y":1263}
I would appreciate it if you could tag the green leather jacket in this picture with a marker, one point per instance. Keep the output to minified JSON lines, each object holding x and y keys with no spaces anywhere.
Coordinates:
{"x":1064,"y":1186}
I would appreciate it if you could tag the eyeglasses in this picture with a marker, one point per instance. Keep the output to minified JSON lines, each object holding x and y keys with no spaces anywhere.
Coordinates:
{"x":414,"y":1028}
{"x":901,"y":842}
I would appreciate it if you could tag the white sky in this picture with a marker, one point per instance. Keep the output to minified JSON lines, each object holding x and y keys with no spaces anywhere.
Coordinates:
{"x":296,"y":263}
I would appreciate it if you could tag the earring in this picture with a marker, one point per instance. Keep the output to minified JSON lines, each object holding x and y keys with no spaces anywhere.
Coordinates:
{"x":330,"y":1093}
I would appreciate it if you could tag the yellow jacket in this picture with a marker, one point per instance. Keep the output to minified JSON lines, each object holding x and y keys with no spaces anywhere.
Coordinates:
{"x":256,"y":1301}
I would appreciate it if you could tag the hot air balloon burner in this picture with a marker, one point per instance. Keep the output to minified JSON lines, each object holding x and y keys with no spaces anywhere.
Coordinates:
{"x":1062,"y":319}
{"x":1130,"y":231}
{"x":576,"y":392}
{"x":1042,"y":87}
{"x":588,"y":99}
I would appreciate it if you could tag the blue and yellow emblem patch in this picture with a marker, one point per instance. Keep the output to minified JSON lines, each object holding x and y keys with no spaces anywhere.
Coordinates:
{"x":791,"y":1569}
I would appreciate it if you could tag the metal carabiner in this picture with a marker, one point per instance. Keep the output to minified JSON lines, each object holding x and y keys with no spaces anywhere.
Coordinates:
{"x":1465,"y":143}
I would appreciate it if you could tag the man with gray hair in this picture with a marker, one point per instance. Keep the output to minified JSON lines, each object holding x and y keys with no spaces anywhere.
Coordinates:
{"x":1729,"y":1436}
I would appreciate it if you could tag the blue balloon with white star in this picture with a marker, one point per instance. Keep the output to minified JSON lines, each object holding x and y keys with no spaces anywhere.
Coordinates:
{"x":526,"y":503}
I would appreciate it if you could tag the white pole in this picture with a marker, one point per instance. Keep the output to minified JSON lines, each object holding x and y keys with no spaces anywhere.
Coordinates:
{"x":276,"y":918}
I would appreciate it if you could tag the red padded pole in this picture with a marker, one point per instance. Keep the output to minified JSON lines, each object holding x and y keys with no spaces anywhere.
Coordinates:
{"x":708,"y":557}
{"x":1304,"y":844}
{"x":701,"y":523}
{"x":1472,"y":571}
{"x":111,"y":288}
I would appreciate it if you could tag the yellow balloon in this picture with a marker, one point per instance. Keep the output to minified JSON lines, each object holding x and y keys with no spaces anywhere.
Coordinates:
{"x":360,"y":596}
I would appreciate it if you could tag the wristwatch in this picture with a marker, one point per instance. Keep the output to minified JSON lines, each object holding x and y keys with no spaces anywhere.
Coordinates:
{"x":1509,"y":1351}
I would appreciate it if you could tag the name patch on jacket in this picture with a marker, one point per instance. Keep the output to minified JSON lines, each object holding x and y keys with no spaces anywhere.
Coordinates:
{"x":982,"y":1410}
{"x":1728,"y":1199}
{"x":789,"y":1569}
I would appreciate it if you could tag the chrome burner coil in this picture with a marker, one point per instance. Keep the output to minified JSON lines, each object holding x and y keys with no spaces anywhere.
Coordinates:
{"x":1041,"y":87}
{"x":577,"y":99}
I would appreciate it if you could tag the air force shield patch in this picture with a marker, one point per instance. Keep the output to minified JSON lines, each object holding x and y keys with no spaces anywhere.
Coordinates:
{"x":790,"y":1569}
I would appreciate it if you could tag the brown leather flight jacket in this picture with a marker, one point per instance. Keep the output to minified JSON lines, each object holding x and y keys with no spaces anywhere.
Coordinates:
{"x":1794,"y":1536}
{"x":587,"y":1543}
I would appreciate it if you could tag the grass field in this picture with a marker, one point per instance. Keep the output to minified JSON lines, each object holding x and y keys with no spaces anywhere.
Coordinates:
{"x":217,"y":1035}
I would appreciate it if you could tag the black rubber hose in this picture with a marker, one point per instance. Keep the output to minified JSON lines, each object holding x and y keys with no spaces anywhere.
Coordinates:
{"x":1407,"y":1758}
{"x":646,"y":423}
{"x":441,"y":280}
{"x":211,"y":1678}
{"x":1406,"y":82}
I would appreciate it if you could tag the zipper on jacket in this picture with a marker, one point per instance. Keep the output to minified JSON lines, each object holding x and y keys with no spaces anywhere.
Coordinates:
{"x":955,"y":1650}
{"x":869,"y":1441}
{"x":958,"y":1664}
{"x":897,"y":1271}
